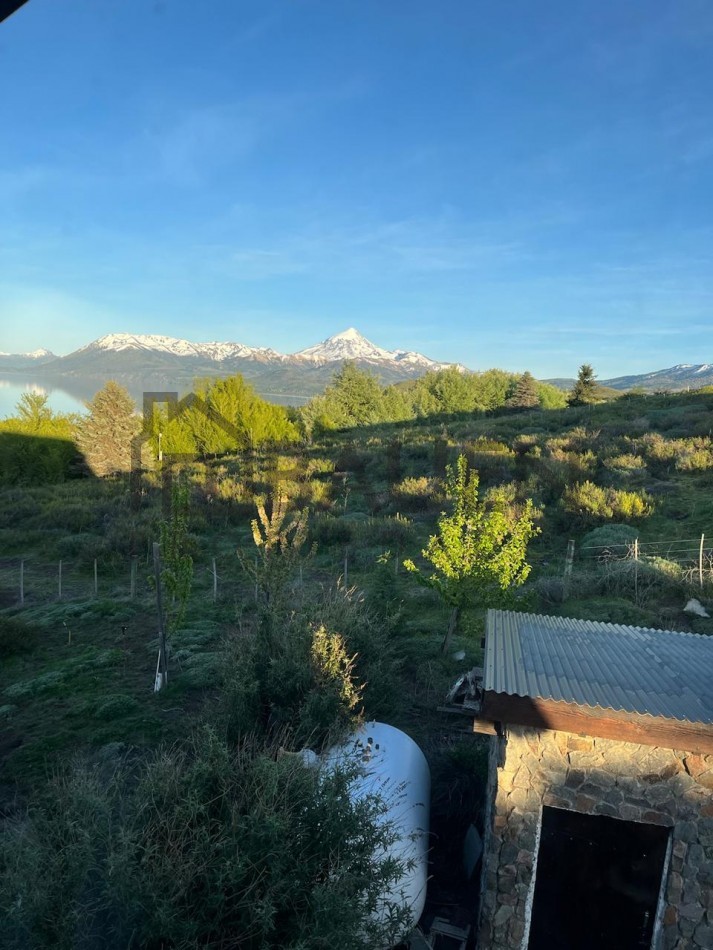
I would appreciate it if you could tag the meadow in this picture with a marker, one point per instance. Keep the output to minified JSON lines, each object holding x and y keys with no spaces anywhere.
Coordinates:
{"x":628,"y":481}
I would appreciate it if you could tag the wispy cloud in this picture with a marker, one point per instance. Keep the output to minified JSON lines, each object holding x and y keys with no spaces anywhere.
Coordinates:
{"x":409,"y":247}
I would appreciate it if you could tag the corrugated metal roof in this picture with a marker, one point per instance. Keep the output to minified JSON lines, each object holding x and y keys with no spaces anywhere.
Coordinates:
{"x":660,"y":673}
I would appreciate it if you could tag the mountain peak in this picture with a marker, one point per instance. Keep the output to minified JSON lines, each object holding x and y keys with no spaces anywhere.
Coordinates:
{"x":350,"y":334}
{"x":350,"y":344}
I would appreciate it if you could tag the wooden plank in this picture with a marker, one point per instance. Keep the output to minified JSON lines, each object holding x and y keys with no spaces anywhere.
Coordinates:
{"x":604,"y":724}
{"x":484,"y":728}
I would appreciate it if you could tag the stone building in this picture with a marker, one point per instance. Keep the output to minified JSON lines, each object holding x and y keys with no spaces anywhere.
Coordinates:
{"x":599,"y":818}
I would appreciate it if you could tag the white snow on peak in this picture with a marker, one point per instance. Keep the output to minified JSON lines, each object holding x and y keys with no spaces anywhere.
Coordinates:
{"x":352,"y":345}
{"x":347,"y":345}
{"x":34,"y":355}
{"x":116,"y":342}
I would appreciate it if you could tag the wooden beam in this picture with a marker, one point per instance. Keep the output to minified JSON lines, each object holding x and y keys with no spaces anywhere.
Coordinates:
{"x":590,"y":721}
{"x":484,"y":728}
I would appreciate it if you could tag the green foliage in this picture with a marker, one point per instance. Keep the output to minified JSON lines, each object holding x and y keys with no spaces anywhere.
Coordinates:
{"x":584,"y":391}
{"x":226,"y":416}
{"x":16,"y":637}
{"x":37,"y":446}
{"x":198,"y":847}
{"x":478,"y":554}
{"x":612,"y":537}
{"x":176,"y":562}
{"x":524,"y":394}
{"x":591,"y":502}
{"x":416,"y":494}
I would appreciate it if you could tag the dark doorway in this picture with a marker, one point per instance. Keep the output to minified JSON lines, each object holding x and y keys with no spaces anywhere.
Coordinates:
{"x":597,"y":883}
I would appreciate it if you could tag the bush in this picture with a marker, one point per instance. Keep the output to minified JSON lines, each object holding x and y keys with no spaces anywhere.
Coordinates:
{"x":416,"y":494}
{"x":616,"y":538}
{"x":592,"y":502}
{"x":394,"y":531}
{"x":16,"y":637}
{"x":626,"y":464}
{"x":199,"y":847}
{"x":326,"y":529}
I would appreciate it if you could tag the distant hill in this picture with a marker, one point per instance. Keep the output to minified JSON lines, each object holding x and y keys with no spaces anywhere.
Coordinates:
{"x":677,"y":378}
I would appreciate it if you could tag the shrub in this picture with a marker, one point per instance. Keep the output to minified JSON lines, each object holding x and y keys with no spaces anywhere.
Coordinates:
{"x":394,"y":531}
{"x":326,"y":529}
{"x":416,"y":494}
{"x":610,"y":537}
{"x":16,"y":637}
{"x":592,"y":502}
{"x":199,"y":847}
{"x":626,"y":464}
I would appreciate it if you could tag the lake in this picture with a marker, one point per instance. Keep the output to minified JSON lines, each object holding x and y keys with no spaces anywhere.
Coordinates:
{"x":11,"y":388}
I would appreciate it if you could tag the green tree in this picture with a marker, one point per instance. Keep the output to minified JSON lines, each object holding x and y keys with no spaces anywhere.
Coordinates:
{"x":176,"y":562}
{"x":478,"y":555}
{"x":33,"y":412}
{"x":524,"y":395}
{"x":354,"y":398}
{"x":104,"y":435}
{"x":584,"y":391}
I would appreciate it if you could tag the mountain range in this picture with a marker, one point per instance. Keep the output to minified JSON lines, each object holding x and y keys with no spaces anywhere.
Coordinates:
{"x":144,"y":362}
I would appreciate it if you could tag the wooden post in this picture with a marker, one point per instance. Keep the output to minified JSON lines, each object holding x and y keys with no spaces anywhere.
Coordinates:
{"x":22,"y":581}
{"x":215,"y":582}
{"x":96,"y":579}
{"x":452,"y":624}
{"x":700,"y":560}
{"x":133,"y":576}
{"x":162,"y":669}
{"x":59,"y":581}
{"x":569,"y":560}
{"x":636,"y":569}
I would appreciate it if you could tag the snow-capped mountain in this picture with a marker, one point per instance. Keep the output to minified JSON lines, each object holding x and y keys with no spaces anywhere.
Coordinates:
{"x":351,"y":345}
{"x":118,"y":342}
{"x":26,"y":360}
{"x":145,"y":362}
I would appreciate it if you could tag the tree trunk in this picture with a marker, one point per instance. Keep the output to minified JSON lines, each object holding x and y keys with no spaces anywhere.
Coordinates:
{"x":452,"y":624}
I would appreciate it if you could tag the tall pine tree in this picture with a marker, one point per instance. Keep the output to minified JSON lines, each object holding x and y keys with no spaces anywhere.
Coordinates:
{"x":104,"y":435}
{"x":584,"y":391}
{"x":524,"y":395}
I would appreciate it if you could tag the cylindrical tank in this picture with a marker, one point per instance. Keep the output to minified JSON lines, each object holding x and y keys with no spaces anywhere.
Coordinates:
{"x":393,"y":766}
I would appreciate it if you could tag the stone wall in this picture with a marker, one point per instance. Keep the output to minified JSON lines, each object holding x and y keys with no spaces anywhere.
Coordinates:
{"x":596,"y":777}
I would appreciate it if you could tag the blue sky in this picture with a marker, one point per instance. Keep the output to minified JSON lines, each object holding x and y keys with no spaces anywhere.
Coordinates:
{"x":524,"y":184}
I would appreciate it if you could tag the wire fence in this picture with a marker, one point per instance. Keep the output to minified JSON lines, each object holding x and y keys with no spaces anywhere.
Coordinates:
{"x":31,"y":581}
{"x":688,"y":561}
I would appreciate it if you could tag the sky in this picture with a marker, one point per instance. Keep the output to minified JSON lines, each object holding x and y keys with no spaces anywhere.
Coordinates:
{"x":525,"y":184}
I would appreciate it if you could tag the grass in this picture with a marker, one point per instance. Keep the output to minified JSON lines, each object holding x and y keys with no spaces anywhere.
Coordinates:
{"x":85,"y":675}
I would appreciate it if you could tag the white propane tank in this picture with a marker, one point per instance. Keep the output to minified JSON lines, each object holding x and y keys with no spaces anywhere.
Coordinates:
{"x":393,"y":766}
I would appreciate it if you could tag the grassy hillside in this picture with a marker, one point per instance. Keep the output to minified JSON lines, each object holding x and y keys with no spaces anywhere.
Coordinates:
{"x":77,"y":671}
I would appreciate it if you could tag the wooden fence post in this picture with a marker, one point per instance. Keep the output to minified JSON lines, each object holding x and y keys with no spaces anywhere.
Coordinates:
{"x":215,"y":582}
{"x":162,"y":671}
{"x":59,"y":581}
{"x":700,"y":560}
{"x":569,"y":560}
{"x":22,"y":581}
